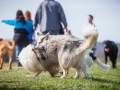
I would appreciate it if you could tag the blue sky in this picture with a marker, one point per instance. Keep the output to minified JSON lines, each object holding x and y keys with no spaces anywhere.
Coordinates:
{"x":106,"y":16}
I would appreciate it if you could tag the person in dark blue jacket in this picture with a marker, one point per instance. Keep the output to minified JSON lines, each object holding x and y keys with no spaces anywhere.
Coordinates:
{"x":20,"y":31}
{"x":49,"y":16}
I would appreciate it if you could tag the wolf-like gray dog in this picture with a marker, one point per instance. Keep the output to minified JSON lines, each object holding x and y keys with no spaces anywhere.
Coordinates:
{"x":65,"y":51}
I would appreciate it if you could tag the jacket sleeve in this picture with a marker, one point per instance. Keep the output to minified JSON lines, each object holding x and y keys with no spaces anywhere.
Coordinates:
{"x":37,"y":19}
{"x":29,"y":24}
{"x":62,"y":15}
{"x":10,"y":22}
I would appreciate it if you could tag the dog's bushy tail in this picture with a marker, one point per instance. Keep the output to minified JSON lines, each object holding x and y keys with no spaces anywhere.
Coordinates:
{"x":102,"y":65}
{"x":12,"y":46}
{"x":90,"y":34}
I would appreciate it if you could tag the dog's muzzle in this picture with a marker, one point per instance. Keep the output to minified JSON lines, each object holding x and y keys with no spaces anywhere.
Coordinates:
{"x":107,"y":49}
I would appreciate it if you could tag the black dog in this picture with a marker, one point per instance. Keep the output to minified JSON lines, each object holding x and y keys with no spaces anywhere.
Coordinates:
{"x":111,"y":51}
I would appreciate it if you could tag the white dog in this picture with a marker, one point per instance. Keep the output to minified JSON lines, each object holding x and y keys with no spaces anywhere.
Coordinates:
{"x":30,"y":62}
{"x":88,"y":62}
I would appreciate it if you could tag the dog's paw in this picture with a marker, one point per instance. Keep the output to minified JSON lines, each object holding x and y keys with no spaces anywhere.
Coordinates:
{"x":0,"y":67}
{"x":77,"y":77}
{"x":29,"y":76}
{"x":62,"y":76}
{"x":9,"y":69}
{"x":86,"y":77}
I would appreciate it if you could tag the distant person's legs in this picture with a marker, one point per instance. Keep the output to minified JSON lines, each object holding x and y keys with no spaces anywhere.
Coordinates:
{"x":18,"y":50}
{"x":93,"y":49}
{"x":30,"y":41}
{"x":56,"y":32}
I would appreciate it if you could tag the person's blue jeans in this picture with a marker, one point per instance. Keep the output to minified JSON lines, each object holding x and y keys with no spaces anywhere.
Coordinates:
{"x":18,"y":50}
{"x":56,"y":32}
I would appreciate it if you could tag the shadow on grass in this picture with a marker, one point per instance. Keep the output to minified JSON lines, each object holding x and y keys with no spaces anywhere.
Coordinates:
{"x":5,"y":87}
{"x":104,"y":80}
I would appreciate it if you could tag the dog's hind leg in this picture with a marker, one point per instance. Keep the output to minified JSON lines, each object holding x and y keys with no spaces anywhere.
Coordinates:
{"x":1,"y":61}
{"x":78,"y":70}
{"x":85,"y":72}
{"x":113,"y":63}
{"x":10,"y":60}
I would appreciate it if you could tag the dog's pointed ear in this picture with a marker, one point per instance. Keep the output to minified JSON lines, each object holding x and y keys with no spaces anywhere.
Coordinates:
{"x":47,"y":35}
{"x":39,"y":34}
{"x":49,"y":32}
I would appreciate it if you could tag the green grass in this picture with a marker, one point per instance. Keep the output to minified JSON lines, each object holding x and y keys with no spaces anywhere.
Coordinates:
{"x":99,"y":80}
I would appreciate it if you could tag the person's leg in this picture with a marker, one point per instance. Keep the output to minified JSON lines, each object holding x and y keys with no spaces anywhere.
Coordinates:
{"x":30,"y":41}
{"x":18,"y":50}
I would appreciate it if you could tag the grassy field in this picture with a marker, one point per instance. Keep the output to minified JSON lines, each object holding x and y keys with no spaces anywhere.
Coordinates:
{"x":99,"y":80}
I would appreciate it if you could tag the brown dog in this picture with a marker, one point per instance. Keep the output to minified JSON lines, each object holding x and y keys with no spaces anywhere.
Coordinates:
{"x":6,"y":47}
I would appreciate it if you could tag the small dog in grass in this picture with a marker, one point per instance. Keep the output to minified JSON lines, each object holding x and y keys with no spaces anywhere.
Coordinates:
{"x":30,"y":62}
{"x":6,"y":47}
{"x":88,"y":62}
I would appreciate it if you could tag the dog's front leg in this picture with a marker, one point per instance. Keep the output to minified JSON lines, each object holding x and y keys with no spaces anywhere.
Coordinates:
{"x":35,"y":74}
{"x":105,"y":58}
{"x":65,"y":72}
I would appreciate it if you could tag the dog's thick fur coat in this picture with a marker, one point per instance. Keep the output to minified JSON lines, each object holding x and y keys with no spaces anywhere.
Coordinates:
{"x":67,"y":50}
{"x":30,"y":62}
{"x":61,"y":50}
{"x":5,"y":47}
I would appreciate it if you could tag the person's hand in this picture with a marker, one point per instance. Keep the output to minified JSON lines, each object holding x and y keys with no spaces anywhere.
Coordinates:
{"x":35,"y":27}
{"x":67,"y":30}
